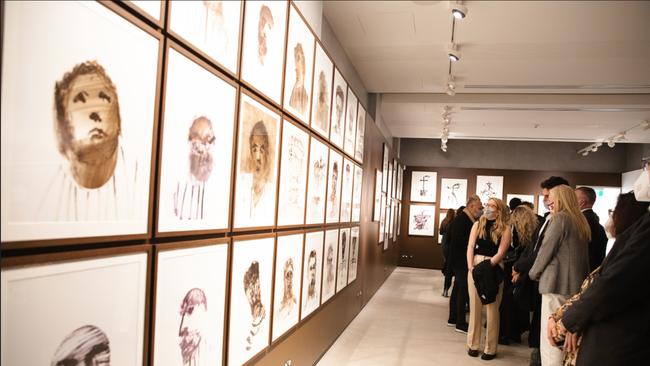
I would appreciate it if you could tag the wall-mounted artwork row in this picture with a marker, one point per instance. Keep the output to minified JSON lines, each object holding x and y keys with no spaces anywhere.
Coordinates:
{"x":423,"y":186}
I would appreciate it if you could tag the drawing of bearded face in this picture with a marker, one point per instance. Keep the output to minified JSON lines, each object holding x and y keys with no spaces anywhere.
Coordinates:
{"x":339,"y":108}
{"x":254,"y":293}
{"x":258,"y":145}
{"x":311,"y":267}
{"x":85,"y":346}
{"x":193,"y":317}
{"x":288,"y":299}
{"x":264,"y":26}
{"x":353,"y":254}
{"x":343,"y":244}
{"x":201,"y":140}
{"x":330,"y":265}
{"x":335,"y":177}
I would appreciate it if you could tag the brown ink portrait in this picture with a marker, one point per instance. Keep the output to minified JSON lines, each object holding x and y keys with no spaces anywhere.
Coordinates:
{"x":85,"y":346}
{"x":299,"y":98}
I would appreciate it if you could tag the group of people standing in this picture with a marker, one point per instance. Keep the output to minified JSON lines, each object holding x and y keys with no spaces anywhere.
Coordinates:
{"x":551,"y":275}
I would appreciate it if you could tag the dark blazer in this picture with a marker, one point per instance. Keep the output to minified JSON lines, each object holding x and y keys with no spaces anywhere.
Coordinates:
{"x":598,"y":243}
{"x":613,"y":314}
{"x":458,"y":233}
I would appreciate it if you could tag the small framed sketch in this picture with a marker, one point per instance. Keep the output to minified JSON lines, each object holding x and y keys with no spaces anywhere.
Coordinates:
{"x":389,"y":184}
{"x":262,"y":61}
{"x":298,"y":71}
{"x":329,"y":264}
{"x":489,"y":186}
{"x":382,"y":217}
{"x":361,"y":133}
{"x":390,"y":217}
{"x":399,"y":218}
{"x":322,"y":92}
{"x":421,"y":220}
{"x":423,"y":186}
{"x":350,"y":123}
{"x":337,"y":125}
{"x":250,"y":298}
{"x":356,"y":193}
{"x":523,"y":197}
{"x":189,"y":317}
{"x":313,"y":265}
{"x":334,"y":187}
{"x":395,"y":219}
{"x":343,"y":259}
{"x":293,"y":174}
{"x":376,"y":211}
{"x":346,"y":190}
{"x":354,"y":254}
{"x":257,"y":161}
{"x":384,"y":170}
{"x":82,"y":311}
{"x":453,"y":193}
{"x":317,"y":182}
{"x":288,"y":264}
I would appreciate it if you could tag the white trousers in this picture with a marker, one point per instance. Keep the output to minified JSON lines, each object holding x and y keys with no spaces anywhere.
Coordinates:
{"x":551,"y":355}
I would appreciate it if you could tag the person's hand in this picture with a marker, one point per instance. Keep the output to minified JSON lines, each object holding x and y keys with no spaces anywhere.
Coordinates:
{"x":515,"y":276}
{"x":571,"y":341}
{"x":551,"y":332}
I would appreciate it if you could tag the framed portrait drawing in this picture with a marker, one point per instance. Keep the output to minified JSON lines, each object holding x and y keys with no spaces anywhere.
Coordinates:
{"x":257,"y":161}
{"x":212,"y":27}
{"x":322,"y":92}
{"x":198,"y":133}
{"x":356,"y":194}
{"x":354,"y":254}
{"x":489,"y":186}
{"x":91,"y":101}
{"x":386,"y":225}
{"x":153,"y":9}
{"x":400,"y":182}
{"x":421,"y":220}
{"x":346,"y":190}
{"x":343,"y":259}
{"x":334,"y":187}
{"x":382,"y":217}
{"x":263,"y":46}
{"x":288,"y":264}
{"x":299,"y":64}
{"x":250,"y":298}
{"x":453,"y":193}
{"x":390,"y":218}
{"x":317,"y":182}
{"x":395,"y":219}
{"x":293,"y":175}
{"x":329,"y":264}
{"x":313,"y":266}
{"x":389,"y":184}
{"x":395,"y":177}
{"x":386,"y":173}
{"x":337,"y":125}
{"x":350,"y":123}
{"x":523,"y":197}
{"x":361,"y":133}
{"x":376,"y":212}
{"x":190,"y":304}
{"x":423,"y":186}
{"x":399,"y":218}
{"x":95,"y":311}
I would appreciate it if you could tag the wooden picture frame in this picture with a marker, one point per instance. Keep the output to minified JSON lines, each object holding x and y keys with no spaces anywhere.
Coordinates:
{"x":384,"y":169}
{"x":338,"y":108}
{"x":317,"y":182}
{"x":329,"y":264}
{"x":356,"y":194}
{"x":376,"y":211}
{"x":333,"y":206}
{"x":287,"y":282}
{"x":347,"y":184}
{"x":322,"y":91}
{"x":292,"y":187}
{"x":343,"y":259}
{"x":312,"y":272}
{"x":349,"y":141}
{"x":361,"y":134}
{"x":354,"y":254}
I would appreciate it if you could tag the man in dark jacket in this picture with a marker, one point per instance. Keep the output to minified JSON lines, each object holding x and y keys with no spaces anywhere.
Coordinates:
{"x":597,"y":246}
{"x":458,"y":238}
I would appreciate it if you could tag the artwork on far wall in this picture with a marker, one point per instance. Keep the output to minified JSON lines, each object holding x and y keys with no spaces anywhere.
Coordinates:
{"x":337,"y":118}
{"x":390,"y":218}
{"x":350,"y":123}
{"x":92,"y":304}
{"x":334,"y":187}
{"x":354,"y":254}
{"x":49,"y":191}
{"x":329,"y":264}
{"x":523,"y":197}
{"x":382,"y":217}
{"x":361,"y":133}
{"x":423,"y":186}
{"x":453,"y":193}
{"x":421,"y":220}
{"x":395,"y":219}
{"x":257,"y":161}
{"x":250,"y":298}
{"x":293,"y":174}
{"x":356,"y":193}
{"x":195,"y":178}
{"x":189,"y":321}
{"x":389,"y":184}
{"x":320,"y":106}
{"x":399,"y":218}
{"x":317,"y":182}
{"x":346,"y":190}
{"x":288,"y":264}
{"x":343,"y":259}
{"x":211,"y":26}
{"x":489,"y":186}
{"x":376,"y":210}
{"x":298,"y":71}
{"x":312,"y":264}
{"x":263,"y":46}
{"x":384,"y":169}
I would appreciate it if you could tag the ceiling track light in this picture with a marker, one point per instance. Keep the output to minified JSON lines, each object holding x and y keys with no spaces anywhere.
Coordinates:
{"x":611,"y":141}
{"x":451,"y":83}
{"x":451,"y":92}
{"x":458,"y":10}
{"x":453,"y":52}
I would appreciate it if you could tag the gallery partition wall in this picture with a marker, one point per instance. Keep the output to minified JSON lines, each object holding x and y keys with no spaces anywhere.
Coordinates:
{"x":185,"y":182}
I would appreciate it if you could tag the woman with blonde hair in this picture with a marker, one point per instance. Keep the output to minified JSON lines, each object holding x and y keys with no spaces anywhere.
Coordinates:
{"x":562,"y":262}
{"x":488,"y":240}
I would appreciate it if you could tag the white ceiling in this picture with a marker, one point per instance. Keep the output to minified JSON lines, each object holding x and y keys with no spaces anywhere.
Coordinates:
{"x":530,"y":70}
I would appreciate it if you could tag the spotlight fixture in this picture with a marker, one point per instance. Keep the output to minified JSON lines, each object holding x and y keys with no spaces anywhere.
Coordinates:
{"x":611,"y":143}
{"x":451,"y":92}
{"x":459,"y":11}
{"x":453,"y":52}
{"x":451,"y":83}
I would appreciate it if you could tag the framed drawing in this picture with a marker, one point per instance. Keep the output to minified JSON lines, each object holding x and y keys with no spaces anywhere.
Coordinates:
{"x":384,"y":170}
{"x":257,"y":161}
{"x":395,"y":219}
{"x":390,"y":217}
{"x":212,"y":27}
{"x":395,"y":177}
{"x":288,"y":264}
{"x":94,"y":182}
{"x":343,"y":259}
{"x":329,"y":264}
{"x":317,"y":182}
{"x":489,"y":186}
{"x":346,"y":190}
{"x":293,"y":174}
{"x":421,"y":220}
{"x":399,"y":218}
{"x":441,"y":216}
{"x":382,"y":217}
{"x":453,"y":193}
{"x":153,"y":9}
{"x":299,"y":64}
{"x":338,"y":109}
{"x":350,"y":123}
{"x":265,"y":24}
{"x":95,"y":311}
{"x":387,"y":221}
{"x":198,"y":133}
{"x":322,"y":92}
{"x":190,"y":308}
{"x":356,"y":194}
{"x":354,"y":254}
{"x":541,"y":209}
{"x":313,"y":266}
{"x":523,"y":197}
{"x":376,"y":211}
{"x":423,"y":186}
{"x":334,"y":187}
{"x":361,"y":133}
{"x":389,"y":184}
{"x":250,"y":298}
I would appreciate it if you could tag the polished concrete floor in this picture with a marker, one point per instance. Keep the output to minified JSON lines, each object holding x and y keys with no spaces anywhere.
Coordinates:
{"x":405,"y":323}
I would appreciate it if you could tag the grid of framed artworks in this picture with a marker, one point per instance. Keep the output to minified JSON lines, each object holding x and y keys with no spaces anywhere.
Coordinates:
{"x":212,"y":118}
{"x":387,"y":205}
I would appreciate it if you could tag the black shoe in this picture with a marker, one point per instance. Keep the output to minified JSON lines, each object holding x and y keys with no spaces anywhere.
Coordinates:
{"x":473,"y":353}
{"x":488,"y":357}
{"x":461,"y":328}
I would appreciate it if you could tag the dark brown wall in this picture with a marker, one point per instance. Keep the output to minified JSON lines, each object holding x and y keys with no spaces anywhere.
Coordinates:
{"x":424,"y":252}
